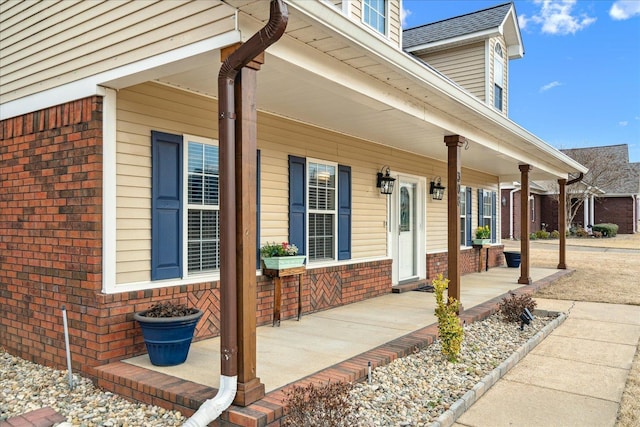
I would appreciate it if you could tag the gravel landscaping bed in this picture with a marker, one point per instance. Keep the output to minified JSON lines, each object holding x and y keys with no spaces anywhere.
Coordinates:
{"x":412,"y":391}
{"x":416,"y":390}
{"x":26,"y":386}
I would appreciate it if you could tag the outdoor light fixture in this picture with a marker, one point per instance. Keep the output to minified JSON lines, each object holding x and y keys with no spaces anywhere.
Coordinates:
{"x":525,"y":318}
{"x":436,"y":190}
{"x":385,"y":182}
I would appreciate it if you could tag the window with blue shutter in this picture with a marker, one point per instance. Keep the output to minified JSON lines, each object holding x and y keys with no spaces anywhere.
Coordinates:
{"x":469,"y":209}
{"x":166,"y":206}
{"x":297,"y":203}
{"x":320,"y":209}
{"x":344,"y":212}
{"x":258,"y":209}
{"x":494,"y":197}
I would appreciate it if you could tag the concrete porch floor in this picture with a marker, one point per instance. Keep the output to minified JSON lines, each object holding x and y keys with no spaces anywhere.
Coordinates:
{"x":335,"y":344}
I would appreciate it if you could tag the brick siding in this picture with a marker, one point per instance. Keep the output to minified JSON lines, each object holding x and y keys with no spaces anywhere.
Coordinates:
{"x":50,"y":228}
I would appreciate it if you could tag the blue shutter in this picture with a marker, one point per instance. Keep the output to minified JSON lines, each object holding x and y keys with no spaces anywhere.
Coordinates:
{"x":468,"y":216}
{"x":297,"y":203}
{"x":493,"y":216}
{"x":480,"y":207}
{"x":166,"y":206}
{"x":258,"y":209}
{"x":344,"y":212}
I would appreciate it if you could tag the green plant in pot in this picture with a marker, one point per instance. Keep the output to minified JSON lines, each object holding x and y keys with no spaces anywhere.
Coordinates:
{"x":168,"y":330}
{"x":483,"y":235}
{"x":277,"y":256}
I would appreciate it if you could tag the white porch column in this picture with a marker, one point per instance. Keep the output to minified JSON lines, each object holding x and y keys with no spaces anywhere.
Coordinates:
{"x":592,"y":217}
{"x":585,"y":212}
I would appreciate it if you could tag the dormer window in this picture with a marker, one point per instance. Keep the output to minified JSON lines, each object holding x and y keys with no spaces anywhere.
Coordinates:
{"x":498,"y":76}
{"x":374,"y":14}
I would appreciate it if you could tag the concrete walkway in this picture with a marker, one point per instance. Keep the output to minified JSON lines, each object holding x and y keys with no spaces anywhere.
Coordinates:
{"x":575,"y":377}
{"x":294,"y":350}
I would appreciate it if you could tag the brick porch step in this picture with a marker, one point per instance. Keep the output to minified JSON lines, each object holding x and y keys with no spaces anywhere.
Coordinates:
{"x":43,"y":417}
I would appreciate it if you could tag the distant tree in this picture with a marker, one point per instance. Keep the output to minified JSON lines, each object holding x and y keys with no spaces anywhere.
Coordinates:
{"x":607,"y":171}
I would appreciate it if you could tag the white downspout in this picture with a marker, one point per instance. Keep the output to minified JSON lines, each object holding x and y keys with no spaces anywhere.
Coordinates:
{"x":511,"y":212}
{"x":212,"y":408}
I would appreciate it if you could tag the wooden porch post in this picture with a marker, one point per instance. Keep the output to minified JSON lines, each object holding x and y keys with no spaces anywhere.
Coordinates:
{"x":454,"y":143}
{"x":525,"y":218}
{"x":562,"y":223}
{"x":250,"y":389}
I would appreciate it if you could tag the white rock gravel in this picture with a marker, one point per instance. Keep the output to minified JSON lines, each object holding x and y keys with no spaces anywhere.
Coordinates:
{"x":26,"y":386}
{"x":416,"y":390}
{"x":412,"y":391}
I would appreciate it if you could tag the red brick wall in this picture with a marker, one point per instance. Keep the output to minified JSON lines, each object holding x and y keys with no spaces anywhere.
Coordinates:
{"x":437,"y":263}
{"x":50,"y":227}
{"x":615,"y":210}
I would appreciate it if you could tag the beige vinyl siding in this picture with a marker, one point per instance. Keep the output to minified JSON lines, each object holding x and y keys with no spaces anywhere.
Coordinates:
{"x":395,"y":24}
{"x":50,"y":43}
{"x":147,"y":107}
{"x":464,"y":65}
{"x":505,"y":64}
{"x":141,"y":109}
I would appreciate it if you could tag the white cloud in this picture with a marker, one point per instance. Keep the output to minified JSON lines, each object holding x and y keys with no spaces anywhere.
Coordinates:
{"x":623,"y":123}
{"x":523,"y":21}
{"x":624,"y":9}
{"x":404,"y":14}
{"x":558,"y":17}
{"x":550,"y":86}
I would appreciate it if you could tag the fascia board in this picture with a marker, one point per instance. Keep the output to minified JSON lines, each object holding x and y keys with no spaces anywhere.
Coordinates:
{"x":415,"y":70}
{"x":455,"y":41}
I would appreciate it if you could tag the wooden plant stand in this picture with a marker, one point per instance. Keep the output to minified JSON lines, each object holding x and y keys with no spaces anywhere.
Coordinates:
{"x":277,"y":275}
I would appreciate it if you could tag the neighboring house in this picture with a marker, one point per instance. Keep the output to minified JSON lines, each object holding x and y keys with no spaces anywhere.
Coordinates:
{"x":618,"y":198}
{"x":610,"y":193}
{"x":110,"y":181}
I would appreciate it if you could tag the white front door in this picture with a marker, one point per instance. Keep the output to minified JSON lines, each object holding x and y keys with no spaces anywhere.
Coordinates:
{"x":407,"y":231}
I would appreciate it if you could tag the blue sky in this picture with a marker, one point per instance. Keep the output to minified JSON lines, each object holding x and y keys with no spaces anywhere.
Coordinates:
{"x":578,"y":84}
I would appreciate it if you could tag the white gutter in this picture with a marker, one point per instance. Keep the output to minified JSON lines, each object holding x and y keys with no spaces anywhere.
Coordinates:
{"x":212,"y":408}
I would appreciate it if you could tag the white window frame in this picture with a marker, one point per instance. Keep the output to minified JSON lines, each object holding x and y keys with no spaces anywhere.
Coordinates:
{"x":385,"y":16}
{"x":187,"y":206}
{"x":498,"y":76}
{"x":334,"y":212}
{"x":487,"y":202}
{"x":462,"y":197}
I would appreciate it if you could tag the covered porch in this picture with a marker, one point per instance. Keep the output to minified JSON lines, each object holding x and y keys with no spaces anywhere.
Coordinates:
{"x":334,"y":345}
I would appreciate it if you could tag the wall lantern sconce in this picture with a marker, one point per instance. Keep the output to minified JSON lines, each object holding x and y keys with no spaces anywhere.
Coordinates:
{"x":385,"y":182}
{"x":504,"y":201}
{"x":436,"y":190}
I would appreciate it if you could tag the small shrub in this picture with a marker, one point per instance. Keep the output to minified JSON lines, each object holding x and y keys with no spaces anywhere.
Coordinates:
{"x":511,"y":308}
{"x":319,"y":405}
{"x":607,"y":230}
{"x":542,"y":234}
{"x":581,"y":232}
{"x":450,"y":330}
{"x":533,"y":236}
{"x":555,"y":234}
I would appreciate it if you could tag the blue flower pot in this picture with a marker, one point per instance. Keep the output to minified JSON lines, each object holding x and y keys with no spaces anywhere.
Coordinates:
{"x":168,"y":338}
{"x":513,"y":259}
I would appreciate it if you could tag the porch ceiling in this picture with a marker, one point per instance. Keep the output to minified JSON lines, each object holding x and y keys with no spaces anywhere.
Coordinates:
{"x":318,"y":77}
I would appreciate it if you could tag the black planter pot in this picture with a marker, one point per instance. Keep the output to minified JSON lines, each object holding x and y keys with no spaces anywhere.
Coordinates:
{"x":513,"y":259}
{"x":168,"y":338}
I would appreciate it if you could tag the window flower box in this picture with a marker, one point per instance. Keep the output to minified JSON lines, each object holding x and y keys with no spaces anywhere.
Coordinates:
{"x":282,"y":262}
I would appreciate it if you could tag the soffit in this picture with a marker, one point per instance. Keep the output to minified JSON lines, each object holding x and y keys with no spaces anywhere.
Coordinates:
{"x":318,"y":76}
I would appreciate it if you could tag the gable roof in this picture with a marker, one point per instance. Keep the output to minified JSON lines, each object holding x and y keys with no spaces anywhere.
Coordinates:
{"x":617,"y":158}
{"x":500,"y":19}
